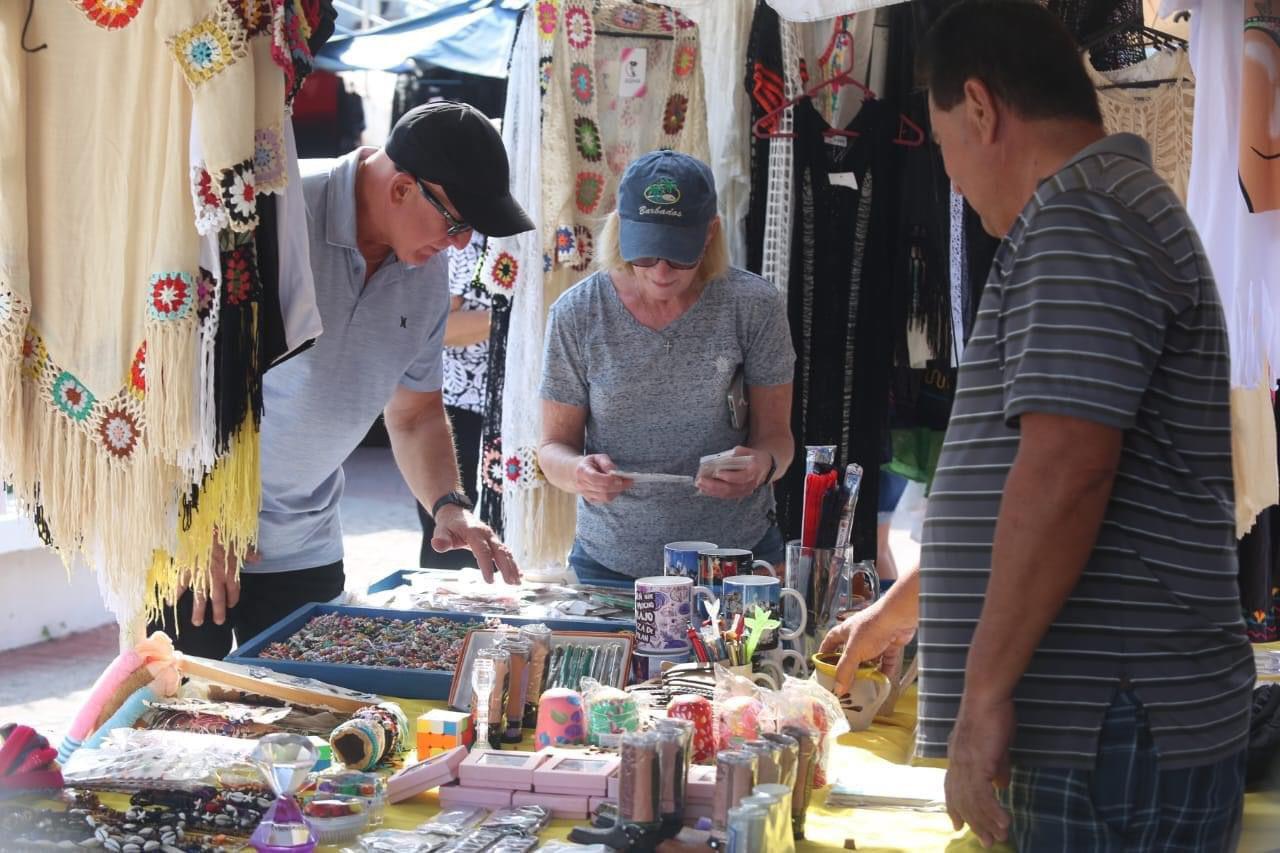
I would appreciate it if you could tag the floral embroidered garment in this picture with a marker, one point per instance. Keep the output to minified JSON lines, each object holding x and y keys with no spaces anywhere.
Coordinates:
{"x":617,"y":79}
{"x":101,"y":281}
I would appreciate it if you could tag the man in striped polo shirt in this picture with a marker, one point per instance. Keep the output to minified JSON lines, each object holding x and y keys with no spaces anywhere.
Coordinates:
{"x":1084,"y":665}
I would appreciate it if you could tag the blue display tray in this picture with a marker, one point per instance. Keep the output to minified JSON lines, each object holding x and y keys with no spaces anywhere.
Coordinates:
{"x":382,"y":680}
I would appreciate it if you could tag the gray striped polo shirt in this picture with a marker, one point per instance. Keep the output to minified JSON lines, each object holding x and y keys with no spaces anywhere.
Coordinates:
{"x":1100,"y":305}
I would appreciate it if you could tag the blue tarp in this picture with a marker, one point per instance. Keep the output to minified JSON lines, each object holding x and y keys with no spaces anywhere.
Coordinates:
{"x":469,"y":36}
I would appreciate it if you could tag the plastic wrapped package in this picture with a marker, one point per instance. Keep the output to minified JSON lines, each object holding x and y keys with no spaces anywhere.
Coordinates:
{"x":805,"y":703}
{"x":744,"y":710}
{"x":132,"y":759}
{"x":610,"y":713}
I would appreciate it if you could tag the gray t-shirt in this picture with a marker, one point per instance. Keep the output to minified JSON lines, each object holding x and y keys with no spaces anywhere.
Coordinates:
{"x":320,"y":403}
{"x":656,"y":401}
{"x":1100,"y":306}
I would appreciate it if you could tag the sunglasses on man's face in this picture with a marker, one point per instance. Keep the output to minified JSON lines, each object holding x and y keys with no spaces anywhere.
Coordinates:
{"x":646,"y":263}
{"x":456,"y":226}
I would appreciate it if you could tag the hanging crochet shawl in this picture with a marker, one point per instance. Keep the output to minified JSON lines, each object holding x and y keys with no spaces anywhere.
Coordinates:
{"x":105,"y":287}
{"x":593,"y":125}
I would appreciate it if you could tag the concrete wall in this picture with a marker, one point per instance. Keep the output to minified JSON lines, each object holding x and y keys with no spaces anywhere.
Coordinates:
{"x":39,"y":598}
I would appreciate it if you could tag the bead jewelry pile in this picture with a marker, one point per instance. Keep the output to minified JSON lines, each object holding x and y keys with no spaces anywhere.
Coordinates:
{"x":430,"y":644}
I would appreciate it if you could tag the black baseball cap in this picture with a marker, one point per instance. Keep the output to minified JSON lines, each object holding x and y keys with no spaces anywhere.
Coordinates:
{"x":455,"y":146}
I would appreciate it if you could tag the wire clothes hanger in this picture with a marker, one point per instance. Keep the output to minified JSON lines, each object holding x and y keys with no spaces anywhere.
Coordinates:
{"x":763,"y":128}
{"x":1148,"y":37}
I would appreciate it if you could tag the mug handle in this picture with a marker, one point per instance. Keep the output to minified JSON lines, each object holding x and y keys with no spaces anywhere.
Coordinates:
{"x":696,"y":593}
{"x":761,"y":564}
{"x":802,"y":668}
{"x":765,"y":680}
{"x":804,"y":614}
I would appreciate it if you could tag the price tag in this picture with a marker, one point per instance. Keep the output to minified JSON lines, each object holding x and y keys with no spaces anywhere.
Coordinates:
{"x":633,"y":67}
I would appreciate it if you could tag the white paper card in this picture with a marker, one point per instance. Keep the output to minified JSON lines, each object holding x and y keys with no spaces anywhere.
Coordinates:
{"x":633,"y":66}
{"x":643,"y":477}
{"x":843,"y":179}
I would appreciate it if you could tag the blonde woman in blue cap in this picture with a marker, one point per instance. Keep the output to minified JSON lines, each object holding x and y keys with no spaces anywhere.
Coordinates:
{"x":642,"y":358}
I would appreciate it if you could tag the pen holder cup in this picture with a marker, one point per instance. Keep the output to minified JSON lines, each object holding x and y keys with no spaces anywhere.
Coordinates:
{"x":833,"y":585}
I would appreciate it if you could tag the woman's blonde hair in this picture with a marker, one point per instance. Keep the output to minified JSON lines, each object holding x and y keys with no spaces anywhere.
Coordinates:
{"x":715,"y":260}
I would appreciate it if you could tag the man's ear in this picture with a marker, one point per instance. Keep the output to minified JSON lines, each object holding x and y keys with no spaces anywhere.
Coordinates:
{"x":982,"y":110}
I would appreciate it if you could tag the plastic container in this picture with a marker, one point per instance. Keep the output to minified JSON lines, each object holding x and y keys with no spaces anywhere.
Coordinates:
{"x":369,"y":788}
{"x":334,"y":818}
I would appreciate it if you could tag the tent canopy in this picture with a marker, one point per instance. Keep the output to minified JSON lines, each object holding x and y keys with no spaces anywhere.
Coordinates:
{"x":468,"y":36}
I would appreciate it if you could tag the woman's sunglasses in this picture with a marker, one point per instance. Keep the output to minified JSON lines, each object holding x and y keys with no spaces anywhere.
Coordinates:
{"x":645,"y":263}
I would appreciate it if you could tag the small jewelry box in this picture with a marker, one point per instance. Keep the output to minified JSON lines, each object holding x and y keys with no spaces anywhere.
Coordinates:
{"x":458,"y":796}
{"x":575,"y":773}
{"x":615,"y":785}
{"x":435,"y":771}
{"x":561,"y":806}
{"x":507,"y":770}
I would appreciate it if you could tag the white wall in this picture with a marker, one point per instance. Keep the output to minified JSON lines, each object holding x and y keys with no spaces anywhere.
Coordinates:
{"x":39,"y":598}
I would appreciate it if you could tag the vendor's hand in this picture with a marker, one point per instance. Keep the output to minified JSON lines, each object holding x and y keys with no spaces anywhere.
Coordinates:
{"x":736,"y":484}
{"x":978,"y":763}
{"x":867,"y":636}
{"x":595,"y":481}
{"x":224,"y":584}
{"x":458,"y":528}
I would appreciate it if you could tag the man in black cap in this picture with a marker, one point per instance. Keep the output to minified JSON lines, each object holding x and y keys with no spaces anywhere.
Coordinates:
{"x":379,"y":221}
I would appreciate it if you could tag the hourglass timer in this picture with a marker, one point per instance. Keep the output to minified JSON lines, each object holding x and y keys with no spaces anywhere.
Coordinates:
{"x":285,"y":760}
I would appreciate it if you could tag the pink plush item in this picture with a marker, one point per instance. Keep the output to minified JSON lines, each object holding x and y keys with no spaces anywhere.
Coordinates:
{"x":459,"y":796}
{"x":576,"y":773}
{"x":561,"y":806}
{"x":437,"y":770}
{"x":155,"y":653}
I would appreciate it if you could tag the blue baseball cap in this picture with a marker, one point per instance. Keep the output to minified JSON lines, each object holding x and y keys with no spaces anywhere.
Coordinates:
{"x":666,"y":200}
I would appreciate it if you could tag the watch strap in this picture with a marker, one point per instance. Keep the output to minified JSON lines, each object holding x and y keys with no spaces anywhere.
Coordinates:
{"x":454,"y":498}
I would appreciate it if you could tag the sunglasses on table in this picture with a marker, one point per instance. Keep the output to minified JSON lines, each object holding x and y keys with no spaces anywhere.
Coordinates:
{"x":646,"y":263}
{"x":456,"y":226}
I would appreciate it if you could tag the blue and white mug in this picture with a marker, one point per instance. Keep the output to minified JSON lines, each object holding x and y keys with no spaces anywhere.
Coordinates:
{"x":664,"y":611}
{"x":742,"y":594}
{"x":681,"y":558}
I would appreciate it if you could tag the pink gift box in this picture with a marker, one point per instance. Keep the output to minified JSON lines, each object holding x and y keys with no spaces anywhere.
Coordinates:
{"x":615,"y":784}
{"x":509,"y":770}
{"x":457,"y":796}
{"x":575,"y":773}
{"x":561,"y":806}
{"x":435,"y":771}
{"x":694,"y":811}
{"x":700,"y":785}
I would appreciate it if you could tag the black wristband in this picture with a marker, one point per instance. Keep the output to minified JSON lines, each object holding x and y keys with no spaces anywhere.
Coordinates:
{"x":455,"y":498}
{"x":773,"y":469}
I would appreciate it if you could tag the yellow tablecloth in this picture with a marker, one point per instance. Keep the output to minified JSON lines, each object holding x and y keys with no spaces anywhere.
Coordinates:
{"x":889,"y":741}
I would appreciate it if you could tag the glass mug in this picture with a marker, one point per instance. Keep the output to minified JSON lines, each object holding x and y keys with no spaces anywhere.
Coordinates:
{"x":833,"y":585}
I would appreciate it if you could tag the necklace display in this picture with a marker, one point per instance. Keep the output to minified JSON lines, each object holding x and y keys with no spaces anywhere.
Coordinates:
{"x":199,"y":820}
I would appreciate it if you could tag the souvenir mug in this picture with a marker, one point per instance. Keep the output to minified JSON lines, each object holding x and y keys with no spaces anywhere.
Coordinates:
{"x":681,"y":558}
{"x":716,"y":564}
{"x":647,"y":664}
{"x":765,"y":677}
{"x":862,"y":702}
{"x":664,"y":607}
{"x":786,"y":662}
{"x":742,"y":594}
